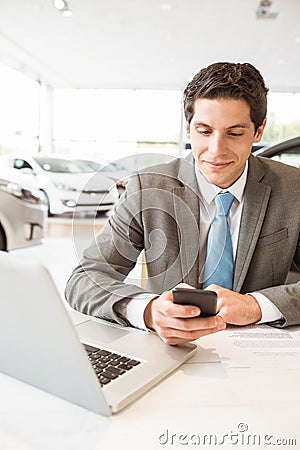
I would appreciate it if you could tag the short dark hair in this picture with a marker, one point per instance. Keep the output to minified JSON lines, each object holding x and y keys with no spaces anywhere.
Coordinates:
{"x":239,"y":81}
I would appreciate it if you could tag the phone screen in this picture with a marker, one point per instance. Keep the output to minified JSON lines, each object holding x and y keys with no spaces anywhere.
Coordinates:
{"x":204,"y":299}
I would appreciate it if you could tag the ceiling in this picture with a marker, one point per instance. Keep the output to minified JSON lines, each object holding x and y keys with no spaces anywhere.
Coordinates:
{"x":149,"y":44}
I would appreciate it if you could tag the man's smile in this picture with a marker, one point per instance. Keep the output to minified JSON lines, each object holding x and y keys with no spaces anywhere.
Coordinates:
{"x":217,"y":165}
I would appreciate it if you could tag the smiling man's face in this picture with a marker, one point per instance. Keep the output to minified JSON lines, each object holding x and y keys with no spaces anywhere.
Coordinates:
{"x":221,"y":134}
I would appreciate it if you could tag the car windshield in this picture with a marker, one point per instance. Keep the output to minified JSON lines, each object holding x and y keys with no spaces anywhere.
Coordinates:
{"x":60,"y":165}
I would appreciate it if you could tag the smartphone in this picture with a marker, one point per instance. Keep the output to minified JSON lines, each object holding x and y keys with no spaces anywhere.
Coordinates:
{"x":206,"y":300}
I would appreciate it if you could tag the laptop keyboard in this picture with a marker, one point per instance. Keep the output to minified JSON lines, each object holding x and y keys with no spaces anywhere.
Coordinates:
{"x":108,"y":365}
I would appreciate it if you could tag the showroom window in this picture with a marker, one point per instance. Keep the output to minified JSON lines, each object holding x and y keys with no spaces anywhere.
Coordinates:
{"x":19,"y":111}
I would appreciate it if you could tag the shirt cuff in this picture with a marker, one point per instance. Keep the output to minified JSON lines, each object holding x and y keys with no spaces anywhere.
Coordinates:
{"x":269,"y":312}
{"x":135,"y":310}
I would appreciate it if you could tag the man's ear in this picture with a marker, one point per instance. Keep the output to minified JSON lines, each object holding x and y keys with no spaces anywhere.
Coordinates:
{"x":259,"y":131}
{"x":188,"y":130}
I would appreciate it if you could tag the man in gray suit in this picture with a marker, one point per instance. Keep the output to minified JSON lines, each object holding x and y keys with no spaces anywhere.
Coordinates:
{"x":167,"y":211}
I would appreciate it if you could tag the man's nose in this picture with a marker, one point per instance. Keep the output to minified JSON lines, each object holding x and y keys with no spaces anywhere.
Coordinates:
{"x":217,"y":145}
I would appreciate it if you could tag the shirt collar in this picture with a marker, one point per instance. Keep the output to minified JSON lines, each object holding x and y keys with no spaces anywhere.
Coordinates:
{"x":209,"y":191}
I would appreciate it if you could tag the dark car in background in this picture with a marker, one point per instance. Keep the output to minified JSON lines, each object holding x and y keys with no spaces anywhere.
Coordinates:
{"x":287,"y":152}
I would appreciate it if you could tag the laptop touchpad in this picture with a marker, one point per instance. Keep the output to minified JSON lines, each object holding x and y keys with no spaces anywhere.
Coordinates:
{"x":99,"y":331}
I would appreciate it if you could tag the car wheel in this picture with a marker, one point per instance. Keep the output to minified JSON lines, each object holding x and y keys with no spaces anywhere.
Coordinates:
{"x":3,"y":243}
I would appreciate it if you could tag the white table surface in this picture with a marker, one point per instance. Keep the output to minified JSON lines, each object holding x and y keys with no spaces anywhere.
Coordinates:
{"x":230,"y":401}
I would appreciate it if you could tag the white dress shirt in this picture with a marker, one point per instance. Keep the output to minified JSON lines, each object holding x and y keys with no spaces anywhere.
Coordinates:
{"x":135,"y":308}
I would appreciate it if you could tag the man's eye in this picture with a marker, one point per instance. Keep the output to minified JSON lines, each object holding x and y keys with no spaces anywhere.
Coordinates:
{"x":203,"y":132}
{"x":235,"y":134}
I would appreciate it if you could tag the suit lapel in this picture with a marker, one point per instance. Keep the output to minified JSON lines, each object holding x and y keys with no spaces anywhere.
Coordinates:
{"x":256,"y":201}
{"x":187,"y":214}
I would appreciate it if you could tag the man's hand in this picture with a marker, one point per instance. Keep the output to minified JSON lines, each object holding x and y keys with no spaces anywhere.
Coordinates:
{"x":177,"y":324}
{"x":234,"y":308}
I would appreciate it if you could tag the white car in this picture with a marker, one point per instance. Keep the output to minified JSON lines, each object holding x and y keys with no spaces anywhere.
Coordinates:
{"x":121,"y":169}
{"x":112,"y":170}
{"x":23,"y":212}
{"x":68,"y":185}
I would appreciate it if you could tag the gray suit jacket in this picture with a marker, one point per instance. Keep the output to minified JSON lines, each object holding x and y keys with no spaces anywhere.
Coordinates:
{"x":159,"y":213}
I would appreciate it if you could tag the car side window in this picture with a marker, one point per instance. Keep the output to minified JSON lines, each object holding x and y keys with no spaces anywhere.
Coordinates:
{"x":289,"y":156}
{"x":20,"y":163}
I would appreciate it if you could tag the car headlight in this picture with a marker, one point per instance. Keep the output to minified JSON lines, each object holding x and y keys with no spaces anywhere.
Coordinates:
{"x":64,"y":187}
{"x":21,"y":192}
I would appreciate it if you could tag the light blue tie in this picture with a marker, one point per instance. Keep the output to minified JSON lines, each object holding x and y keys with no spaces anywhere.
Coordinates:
{"x":218,"y":268}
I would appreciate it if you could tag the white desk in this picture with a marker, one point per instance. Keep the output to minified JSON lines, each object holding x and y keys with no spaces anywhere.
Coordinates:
{"x":217,"y":398}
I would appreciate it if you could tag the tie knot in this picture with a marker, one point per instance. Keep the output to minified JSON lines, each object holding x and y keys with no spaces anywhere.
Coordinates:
{"x":223,"y":203}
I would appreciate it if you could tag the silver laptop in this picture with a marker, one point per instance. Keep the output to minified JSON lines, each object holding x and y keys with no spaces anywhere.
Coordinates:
{"x":97,"y":365}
